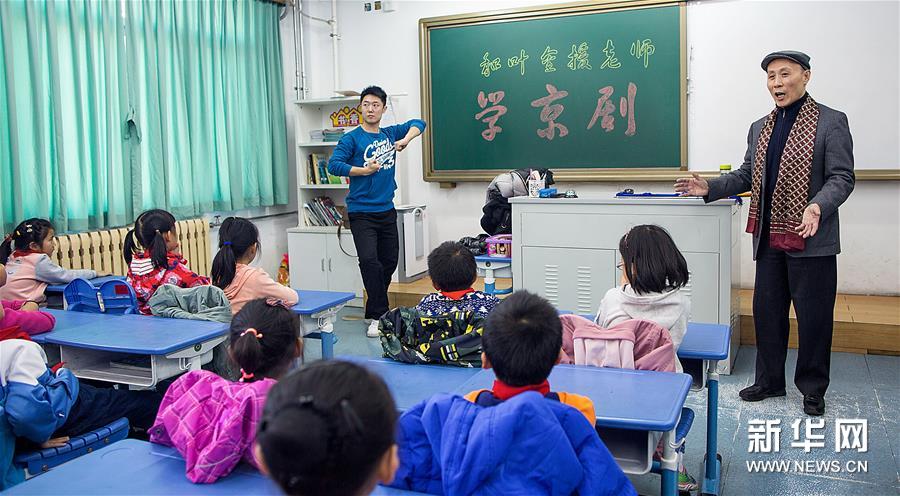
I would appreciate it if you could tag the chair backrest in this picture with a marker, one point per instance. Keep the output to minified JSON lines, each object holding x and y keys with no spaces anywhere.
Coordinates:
{"x":118,"y":297}
{"x":115,"y":297}
{"x":82,"y":296}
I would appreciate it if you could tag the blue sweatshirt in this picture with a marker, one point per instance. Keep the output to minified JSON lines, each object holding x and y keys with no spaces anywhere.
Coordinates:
{"x":375,"y":192}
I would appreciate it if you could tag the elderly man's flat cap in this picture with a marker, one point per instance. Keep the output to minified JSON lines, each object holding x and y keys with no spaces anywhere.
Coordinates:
{"x":798,"y":57}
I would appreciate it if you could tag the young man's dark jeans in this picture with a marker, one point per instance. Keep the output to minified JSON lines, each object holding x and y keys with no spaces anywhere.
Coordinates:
{"x":378,"y":246}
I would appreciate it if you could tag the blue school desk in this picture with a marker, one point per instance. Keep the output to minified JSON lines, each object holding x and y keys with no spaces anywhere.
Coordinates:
{"x":494,"y":267}
{"x":97,"y":281}
{"x":700,"y":351}
{"x":139,"y":467}
{"x":631,"y":405}
{"x":318,"y":310}
{"x":110,"y":347}
{"x":411,"y":383}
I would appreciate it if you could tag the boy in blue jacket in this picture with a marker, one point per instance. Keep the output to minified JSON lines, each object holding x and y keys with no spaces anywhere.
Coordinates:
{"x":45,"y":406}
{"x":518,"y":437}
{"x":368,"y":155}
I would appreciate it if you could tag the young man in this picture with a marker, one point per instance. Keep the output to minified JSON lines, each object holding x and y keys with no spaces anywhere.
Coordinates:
{"x":453,"y":271}
{"x":368,"y":155}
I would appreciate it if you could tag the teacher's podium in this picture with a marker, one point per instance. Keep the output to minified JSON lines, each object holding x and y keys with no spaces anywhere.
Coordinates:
{"x":566,"y":250}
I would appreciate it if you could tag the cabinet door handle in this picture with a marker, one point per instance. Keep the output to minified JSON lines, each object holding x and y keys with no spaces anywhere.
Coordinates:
{"x":323,"y":264}
{"x":329,"y":265}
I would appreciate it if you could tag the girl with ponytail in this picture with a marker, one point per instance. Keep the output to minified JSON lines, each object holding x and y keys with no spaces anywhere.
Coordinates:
{"x":151,"y":252}
{"x":231,"y":270}
{"x":212,"y":421}
{"x":26,"y":252}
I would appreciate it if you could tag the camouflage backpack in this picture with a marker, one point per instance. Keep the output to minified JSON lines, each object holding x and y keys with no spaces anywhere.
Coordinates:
{"x":453,"y":338}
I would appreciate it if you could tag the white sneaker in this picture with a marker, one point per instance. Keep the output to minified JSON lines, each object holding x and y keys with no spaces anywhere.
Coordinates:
{"x":373,"y":331}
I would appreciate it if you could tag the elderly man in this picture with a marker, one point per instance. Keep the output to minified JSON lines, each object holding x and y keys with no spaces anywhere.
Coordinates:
{"x":799,"y":169}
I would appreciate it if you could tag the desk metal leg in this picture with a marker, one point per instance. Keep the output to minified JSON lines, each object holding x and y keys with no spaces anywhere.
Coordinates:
{"x":327,"y":345}
{"x":712,"y":462}
{"x":489,"y":281}
{"x":325,"y":326}
{"x":668,"y":465}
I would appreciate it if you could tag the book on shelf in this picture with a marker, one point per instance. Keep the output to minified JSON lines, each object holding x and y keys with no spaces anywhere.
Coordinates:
{"x":317,"y":171}
{"x":321,"y":211}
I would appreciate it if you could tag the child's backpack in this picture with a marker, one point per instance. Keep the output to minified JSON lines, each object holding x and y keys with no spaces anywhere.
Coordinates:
{"x":497,"y":218}
{"x":453,"y":338}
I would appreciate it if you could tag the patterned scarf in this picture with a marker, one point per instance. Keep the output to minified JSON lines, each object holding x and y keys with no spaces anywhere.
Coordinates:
{"x":791,"y":193}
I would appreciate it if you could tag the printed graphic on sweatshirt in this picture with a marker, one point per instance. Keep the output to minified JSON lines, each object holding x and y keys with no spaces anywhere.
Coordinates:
{"x":382,"y":150}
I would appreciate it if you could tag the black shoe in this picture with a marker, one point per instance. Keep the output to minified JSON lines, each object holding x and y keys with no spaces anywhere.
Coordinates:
{"x":757,"y":393}
{"x":814,"y":405}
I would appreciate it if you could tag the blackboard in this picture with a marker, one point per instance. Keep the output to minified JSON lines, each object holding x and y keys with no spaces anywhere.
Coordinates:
{"x":589,"y":91}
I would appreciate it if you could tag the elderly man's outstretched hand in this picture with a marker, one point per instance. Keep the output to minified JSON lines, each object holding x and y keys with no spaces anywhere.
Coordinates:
{"x":692,"y":186}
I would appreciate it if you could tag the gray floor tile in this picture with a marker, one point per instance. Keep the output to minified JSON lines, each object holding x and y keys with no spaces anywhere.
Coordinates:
{"x":884,"y":370}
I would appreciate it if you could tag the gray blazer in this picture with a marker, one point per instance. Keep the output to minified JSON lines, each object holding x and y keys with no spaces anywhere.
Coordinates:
{"x":831,"y":179}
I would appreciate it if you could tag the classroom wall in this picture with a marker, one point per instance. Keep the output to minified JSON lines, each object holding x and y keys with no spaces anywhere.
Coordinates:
{"x":855,"y":69}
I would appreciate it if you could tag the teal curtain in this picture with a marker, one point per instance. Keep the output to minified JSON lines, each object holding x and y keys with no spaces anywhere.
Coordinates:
{"x":61,"y":109}
{"x":117,"y":106}
{"x":209,"y":98}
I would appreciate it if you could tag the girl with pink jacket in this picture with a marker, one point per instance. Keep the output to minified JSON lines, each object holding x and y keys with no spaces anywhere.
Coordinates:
{"x":231,"y":270}
{"x":26,"y":252}
{"x":212,"y":421}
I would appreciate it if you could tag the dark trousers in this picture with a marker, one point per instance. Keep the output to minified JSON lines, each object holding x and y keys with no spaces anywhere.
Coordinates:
{"x":96,"y":407}
{"x":378,"y":246}
{"x":811,"y":283}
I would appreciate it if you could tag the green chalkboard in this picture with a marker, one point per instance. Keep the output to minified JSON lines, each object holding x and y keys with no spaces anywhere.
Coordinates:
{"x":587,"y":91}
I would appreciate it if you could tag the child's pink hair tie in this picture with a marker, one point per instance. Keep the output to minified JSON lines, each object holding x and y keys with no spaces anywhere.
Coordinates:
{"x":253,"y":331}
{"x":245,"y":375}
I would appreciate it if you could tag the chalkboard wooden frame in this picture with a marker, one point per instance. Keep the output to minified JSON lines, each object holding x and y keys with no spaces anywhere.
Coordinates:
{"x":541,"y":12}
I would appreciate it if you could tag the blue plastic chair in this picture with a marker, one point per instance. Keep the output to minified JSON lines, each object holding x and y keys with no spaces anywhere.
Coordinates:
{"x":114,"y":297}
{"x":118,"y":297}
{"x":40,"y":461}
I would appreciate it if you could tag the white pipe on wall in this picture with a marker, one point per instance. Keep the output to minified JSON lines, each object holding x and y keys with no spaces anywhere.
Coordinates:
{"x":302,"y":88}
{"x":334,"y":44}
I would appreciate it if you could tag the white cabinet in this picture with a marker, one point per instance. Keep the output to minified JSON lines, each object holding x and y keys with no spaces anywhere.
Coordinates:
{"x":570,"y":278}
{"x":567,"y":250}
{"x":321,"y":264}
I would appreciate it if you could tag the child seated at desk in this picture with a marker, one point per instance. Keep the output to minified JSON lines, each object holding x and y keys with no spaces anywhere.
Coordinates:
{"x":26,"y":316}
{"x":46,"y":406}
{"x":329,"y":429}
{"x":453,"y":271}
{"x":231,"y":270}
{"x":653,"y":273}
{"x":519,"y":437}
{"x":151,"y":252}
{"x":29,"y":270}
{"x":22,"y":316}
{"x":211,"y":421}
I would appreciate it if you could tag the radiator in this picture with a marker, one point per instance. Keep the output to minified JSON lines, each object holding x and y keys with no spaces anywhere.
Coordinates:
{"x":102,"y":250}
